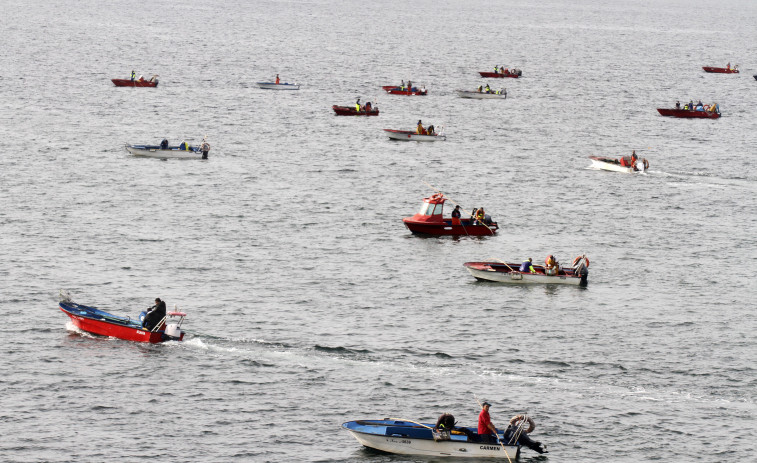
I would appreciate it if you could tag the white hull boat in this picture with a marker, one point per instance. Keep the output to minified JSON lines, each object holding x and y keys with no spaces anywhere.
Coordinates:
{"x":408,"y":135}
{"x":171,"y":152}
{"x":481,"y":95}
{"x":275,"y":86}
{"x":502,"y":272}
{"x":613,"y":165}
{"x":407,"y":438}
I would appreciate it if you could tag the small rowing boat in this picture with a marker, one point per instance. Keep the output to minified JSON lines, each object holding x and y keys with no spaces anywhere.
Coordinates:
{"x":410,"y":438}
{"x":482,"y":95}
{"x":141,"y":82}
{"x":514,"y":73}
{"x":163,"y":151}
{"x":503,"y":272}
{"x":96,"y":321}
{"x":352,"y":111}
{"x":430,"y":221}
{"x":625,"y":164}
{"x":409,"y":135}
{"x":395,"y":90}
{"x":726,"y":70}
{"x":275,"y":86}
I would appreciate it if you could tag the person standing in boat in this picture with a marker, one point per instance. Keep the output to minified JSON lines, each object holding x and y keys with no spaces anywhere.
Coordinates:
{"x":678,"y":104}
{"x":402,"y":85}
{"x":368,"y":107}
{"x":456,"y":212}
{"x":164,"y":144}
{"x":691,"y":105}
{"x":133,"y":75}
{"x":486,"y":431}
{"x":155,"y":315}
{"x":419,"y":129}
{"x":480,"y":216}
{"x":357,"y":105}
{"x":204,"y":148}
{"x":277,"y":79}
{"x":409,"y":86}
{"x":487,"y":89}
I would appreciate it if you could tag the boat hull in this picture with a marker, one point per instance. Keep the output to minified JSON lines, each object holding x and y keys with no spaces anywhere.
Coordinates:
{"x":407,"y":135}
{"x":501,"y":273}
{"x":134,"y":83}
{"x":399,"y":438}
{"x":94,"y":321}
{"x":275,"y":86}
{"x":480,"y":95}
{"x":351,"y":111}
{"x":498,"y":75}
{"x":686,"y":114}
{"x":154,"y":151}
{"x":398,"y":91}
{"x":609,"y":164}
{"x":720,"y":70}
{"x":447,"y":228}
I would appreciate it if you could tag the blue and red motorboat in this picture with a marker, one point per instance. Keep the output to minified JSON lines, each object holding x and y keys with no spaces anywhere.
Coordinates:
{"x":96,"y":321}
{"x":430,"y":221}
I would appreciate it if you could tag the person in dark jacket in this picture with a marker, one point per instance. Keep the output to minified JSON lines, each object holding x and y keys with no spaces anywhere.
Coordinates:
{"x":155,"y":315}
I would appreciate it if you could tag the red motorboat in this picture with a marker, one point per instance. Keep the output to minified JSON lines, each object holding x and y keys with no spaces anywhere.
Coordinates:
{"x":95,"y":321}
{"x":141,"y":82}
{"x":707,"y":112}
{"x":352,"y":111}
{"x":728,"y":70}
{"x":515,"y":73}
{"x":431,"y":221}
{"x":395,"y":90}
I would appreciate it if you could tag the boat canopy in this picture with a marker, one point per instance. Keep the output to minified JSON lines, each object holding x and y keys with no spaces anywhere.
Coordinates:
{"x":433,"y":205}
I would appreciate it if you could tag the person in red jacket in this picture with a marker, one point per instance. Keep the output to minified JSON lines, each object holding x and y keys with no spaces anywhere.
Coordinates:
{"x":486,"y":430}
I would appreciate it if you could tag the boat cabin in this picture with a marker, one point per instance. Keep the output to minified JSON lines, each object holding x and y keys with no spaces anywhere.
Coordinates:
{"x":431,"y":209}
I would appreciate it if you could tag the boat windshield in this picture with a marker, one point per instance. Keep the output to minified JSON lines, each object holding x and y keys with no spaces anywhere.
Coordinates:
{"x":431,"y":209}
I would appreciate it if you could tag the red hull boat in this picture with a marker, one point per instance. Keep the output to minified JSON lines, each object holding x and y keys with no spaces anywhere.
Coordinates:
{"x":720,"y":70}
{"x":431,"y":221}
{"x":351,"y":111}
{"x":95,"y":321}
{"x":394,"y":90}
{"x":514,"y":75}
{"x":135,"y":83}
{"x":685,"y":113}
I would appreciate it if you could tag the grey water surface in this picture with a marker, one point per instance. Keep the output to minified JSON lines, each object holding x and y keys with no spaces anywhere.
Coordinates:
{"x":309,"y":302}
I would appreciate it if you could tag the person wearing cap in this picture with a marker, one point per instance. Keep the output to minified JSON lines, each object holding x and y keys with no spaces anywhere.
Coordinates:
{"x":456,"y":212}
{"x":486,"y":430}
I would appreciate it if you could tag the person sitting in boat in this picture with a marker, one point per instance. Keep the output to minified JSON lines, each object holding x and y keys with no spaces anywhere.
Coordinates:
{"x":368,"y":107}
{"x":700,"y":106}
{"x":164,"y":144}
{"x":446,"y":422}
{"x":205,"y":147}
{"x":507,"y":71}
{"x":277,"y":79}
{"x":517,"y":434}
{"x":431,"y":130}
{"x":419,"y":129}
{"x":728,"y":68}
{"x":487,"y":89}
{"x":456,"y":213}
{"x":184,"y":146}
{"x":678,"y":105}
{"x":527,"y":266}
{"x":691,"y":105}
{"x":480,"y":88}
{"x":155,"y":315}
{"x":480,"y":216}
{"x":496,"y":69}
{"x":551,"y":266}
{"x":357,"y":105}
{"x":629,"y":161}
{"x":486,"y":431}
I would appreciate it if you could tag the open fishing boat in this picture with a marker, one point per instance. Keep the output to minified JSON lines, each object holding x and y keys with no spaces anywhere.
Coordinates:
{"x":351,"y":111}
{"x":615,"y":165}
{"x":410,"y":135}
{"x":395,"y":90}
{"x":709,"y":112}
{"x":476,"y":95}
{"x":430,"y":221}
{"x":141,"y":82}
{"x":410,"y":438}
{"x":728,"y":70}
{"x":503,"y":272}
{"x":163,"y":151}
{"x":95,"y":321}
{"x":275,"y":86}
{"x":515,"y":73}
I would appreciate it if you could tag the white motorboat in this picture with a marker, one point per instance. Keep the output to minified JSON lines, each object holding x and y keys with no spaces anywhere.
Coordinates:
{"x":476,"y":95}
{"x":163,"y":151}
{"x":409,"y":135}
{"x":504,"y":272}
{"x":614,"y":165}
{"x":409,"y":438}
{"x":275,"y":86}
